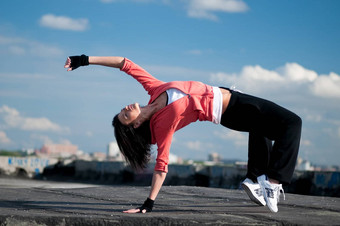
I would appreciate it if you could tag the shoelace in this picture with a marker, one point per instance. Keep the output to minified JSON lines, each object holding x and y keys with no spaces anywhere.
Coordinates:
{"x":278,"y":189}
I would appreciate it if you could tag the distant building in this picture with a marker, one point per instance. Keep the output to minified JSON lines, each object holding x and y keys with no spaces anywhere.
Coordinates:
{"x":29,"y":151}
{"x":174,"y":159}
{"x":58,"y":150}
{"x":241,"y":164}
{"x":304,"y":165}
{"x":113,"y":152}
{"x":98,"y":156}
{"x":214,"y":157}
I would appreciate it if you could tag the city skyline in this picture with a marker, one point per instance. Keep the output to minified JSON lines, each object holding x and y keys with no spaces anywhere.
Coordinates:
{"x":287,"y":52}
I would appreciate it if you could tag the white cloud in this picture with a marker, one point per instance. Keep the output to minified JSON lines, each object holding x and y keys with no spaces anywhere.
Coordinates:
{"x":327,"y":86}
{"x":207,"y":9}
{"x":64,"y":23}
{"x":313,"y":117}
{"x":89,"y":134}
{"x":10,"y":40}
{"x":25,"y":76}
{"x":198,"y":145}
{"x":4,"y":139}
{"x":306,"y":142}
{"x":65,"y":141}
{"x":238,"y":138}
{"x":296,"y":72}
{"x":12,"y":119}
{"x":40,"y":49}
{"x":194,"y":145}
{"x":291,"y":76}
{"x":194,"y":52}
{"x":47,"y":140}
{"x":261,"y":74}
{"x":204,"y":9}
{"x":142,"y":1}
{"x":252,"y":79}
{"x":16,"y":50}
{"x":38,"y":124}
{"x":199,"y":52}
{"x":43,"y":138}
{"x":20,"y":46}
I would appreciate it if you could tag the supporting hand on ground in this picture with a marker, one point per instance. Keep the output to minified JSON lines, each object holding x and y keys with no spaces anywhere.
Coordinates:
{"x":146,"y":207}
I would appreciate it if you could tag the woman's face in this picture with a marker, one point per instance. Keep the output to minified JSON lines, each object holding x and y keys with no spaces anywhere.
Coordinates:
{"x":129,"y":114}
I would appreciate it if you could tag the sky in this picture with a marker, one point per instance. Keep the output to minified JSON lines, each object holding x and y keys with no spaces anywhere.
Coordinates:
{"x":284,"y":51}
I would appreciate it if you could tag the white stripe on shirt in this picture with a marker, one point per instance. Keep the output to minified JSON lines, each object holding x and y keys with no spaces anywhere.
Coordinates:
{"x":217,"y":105}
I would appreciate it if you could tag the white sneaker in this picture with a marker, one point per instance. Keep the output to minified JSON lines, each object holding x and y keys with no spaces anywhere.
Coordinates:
{"x":271,"y":192}
{"x":254,"y":191}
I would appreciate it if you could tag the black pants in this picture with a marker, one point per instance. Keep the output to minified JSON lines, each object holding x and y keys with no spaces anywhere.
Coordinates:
{"x":274,"y":135}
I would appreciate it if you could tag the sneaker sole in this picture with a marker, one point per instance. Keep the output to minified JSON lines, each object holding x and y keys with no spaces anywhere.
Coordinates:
{"x":251,"y":196}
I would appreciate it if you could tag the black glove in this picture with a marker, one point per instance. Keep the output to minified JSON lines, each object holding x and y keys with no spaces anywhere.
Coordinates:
{"x":148,"y":205}
{"x":77,"y":61}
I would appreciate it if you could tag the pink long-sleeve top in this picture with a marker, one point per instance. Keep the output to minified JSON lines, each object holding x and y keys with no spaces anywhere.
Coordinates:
{"x":196,"y":105}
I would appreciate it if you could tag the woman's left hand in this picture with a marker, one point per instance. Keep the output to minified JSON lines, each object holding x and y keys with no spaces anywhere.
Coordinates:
{"x":146,"y":207}
{"x":137,"y":210}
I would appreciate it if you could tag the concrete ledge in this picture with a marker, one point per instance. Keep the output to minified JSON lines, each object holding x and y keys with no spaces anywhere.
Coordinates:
{"x":45,"y":203}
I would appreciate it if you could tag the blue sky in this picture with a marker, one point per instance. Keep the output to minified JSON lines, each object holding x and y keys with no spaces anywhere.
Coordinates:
{"x":285,"y":51}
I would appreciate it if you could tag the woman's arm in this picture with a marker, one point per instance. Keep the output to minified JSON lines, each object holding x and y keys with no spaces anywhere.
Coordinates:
{"x":111,"y":61}
{"x":157,"y":182}
{"x":148,"y":82}
{"x":74,"y":62}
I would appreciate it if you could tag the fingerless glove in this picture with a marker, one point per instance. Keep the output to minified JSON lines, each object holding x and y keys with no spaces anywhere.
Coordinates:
{"x":148,"y":205}
{"x":77,"y":61}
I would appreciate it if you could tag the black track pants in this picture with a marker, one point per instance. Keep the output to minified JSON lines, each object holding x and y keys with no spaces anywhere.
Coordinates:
{"x":274,"y":135}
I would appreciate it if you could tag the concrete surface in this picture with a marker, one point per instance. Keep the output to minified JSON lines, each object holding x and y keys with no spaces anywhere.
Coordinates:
{"x":30,"y":202}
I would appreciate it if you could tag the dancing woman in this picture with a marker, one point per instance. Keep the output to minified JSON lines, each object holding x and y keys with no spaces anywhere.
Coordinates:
{"x":274,"y":132}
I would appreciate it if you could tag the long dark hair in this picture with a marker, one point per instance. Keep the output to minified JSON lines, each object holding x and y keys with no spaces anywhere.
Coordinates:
{"x":134,"y":144}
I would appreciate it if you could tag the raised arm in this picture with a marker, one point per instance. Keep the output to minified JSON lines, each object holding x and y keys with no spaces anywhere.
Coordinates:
{"x":149,"y":83}
{"x":109,"y":61}
{"x":73,"y":62}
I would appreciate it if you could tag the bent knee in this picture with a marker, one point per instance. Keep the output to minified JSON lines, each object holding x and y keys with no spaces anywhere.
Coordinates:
{"x":296,"y":122}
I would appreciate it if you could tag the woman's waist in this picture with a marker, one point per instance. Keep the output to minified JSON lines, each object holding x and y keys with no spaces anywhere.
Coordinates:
{"x":226,"y":95}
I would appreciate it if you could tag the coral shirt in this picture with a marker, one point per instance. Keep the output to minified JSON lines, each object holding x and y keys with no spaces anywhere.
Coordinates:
{"x":196,"y":105}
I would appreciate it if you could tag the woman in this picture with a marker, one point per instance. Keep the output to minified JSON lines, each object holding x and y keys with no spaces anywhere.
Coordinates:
{"x":174,"y":105}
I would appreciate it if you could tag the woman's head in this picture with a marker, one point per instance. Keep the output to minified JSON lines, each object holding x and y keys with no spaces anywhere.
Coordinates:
{"x":129,"y":114}
{"x":134,"y":143}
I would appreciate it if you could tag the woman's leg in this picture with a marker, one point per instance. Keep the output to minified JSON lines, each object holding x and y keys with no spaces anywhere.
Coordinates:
{"x":266,"y":119}
{"x":285,"y":150}
{"x":259,"y":148}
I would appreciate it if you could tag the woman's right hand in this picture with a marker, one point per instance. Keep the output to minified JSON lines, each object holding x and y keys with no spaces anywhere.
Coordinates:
{"x":73,"y":62}
{"x":68,"y":64}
